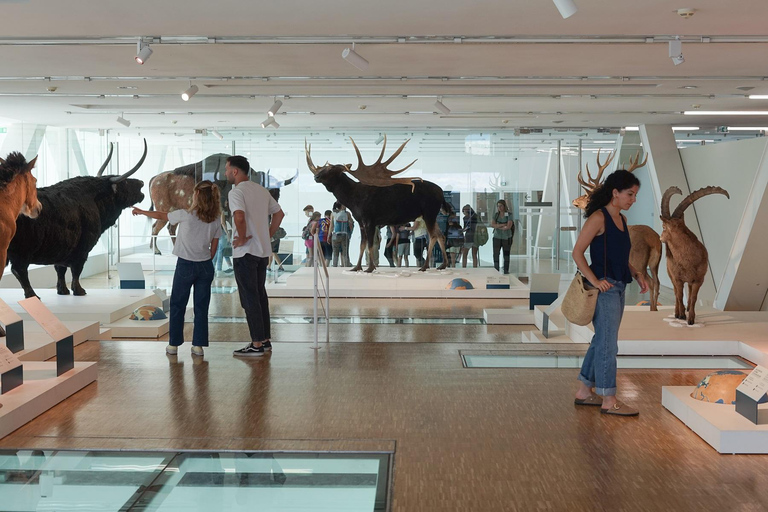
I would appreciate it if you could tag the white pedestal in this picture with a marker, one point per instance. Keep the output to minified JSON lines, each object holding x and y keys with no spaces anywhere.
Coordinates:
{"x":520,"y":315}
{"x":717,"y":424}
{"x":41,"y":390}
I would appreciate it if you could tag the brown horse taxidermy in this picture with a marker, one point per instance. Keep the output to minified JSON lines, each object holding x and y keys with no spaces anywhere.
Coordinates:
{"x":18,"y":196}
{"x":379,"y":199}
{"x":646,"y":246}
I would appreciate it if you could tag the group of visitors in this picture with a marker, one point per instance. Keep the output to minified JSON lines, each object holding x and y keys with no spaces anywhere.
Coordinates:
{"x":333,"y":229}
{"x":256,"y":218}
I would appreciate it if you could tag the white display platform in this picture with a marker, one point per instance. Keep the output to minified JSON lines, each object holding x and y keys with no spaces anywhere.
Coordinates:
{"x":519,"y":315}
{"x":717,"y":424}
{"x":41,"y":390}
{"x":100,"y":305}
{"x":39,"y":346}
{"x":387,"y":282}
{"x":731,"y":333}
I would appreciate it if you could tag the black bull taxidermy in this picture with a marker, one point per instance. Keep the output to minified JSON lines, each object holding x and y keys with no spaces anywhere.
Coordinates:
{"x":75,"y":213}
{"x":173,"y":190}
{"x":379,"y":199}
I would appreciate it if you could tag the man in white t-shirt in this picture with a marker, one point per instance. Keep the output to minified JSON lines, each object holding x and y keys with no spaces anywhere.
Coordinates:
{"x":251,"y":205}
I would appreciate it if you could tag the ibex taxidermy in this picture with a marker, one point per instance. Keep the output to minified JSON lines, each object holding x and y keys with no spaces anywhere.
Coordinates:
{"x":686,"y":256}
{"x":380,"y":199}
{"x":646,"y":246}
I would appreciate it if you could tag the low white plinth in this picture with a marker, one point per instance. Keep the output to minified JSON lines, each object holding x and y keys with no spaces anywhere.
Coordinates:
{"x":717,"y":424}
{"x":41,"y":390}
{"x":387,"y":282}
{"x":39,"y":346}
{"x":143,"y":329}
{"x":520,"y":315}
{"x":104,"y":306}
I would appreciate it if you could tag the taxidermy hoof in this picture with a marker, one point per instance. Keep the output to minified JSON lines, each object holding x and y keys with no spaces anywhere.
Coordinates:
{"x":369,"y":270}
{"x":357,"y":268}
{"x":158,"y":253}
{"x":79,"y":292}
{"x":423,"y":269}
{"x":62,"y":291}
{"x":442,"y":267}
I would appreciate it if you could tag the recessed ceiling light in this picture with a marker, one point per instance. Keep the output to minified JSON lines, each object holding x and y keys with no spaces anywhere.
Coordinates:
{"x":689,"y":87}
{"x":126,"y":87}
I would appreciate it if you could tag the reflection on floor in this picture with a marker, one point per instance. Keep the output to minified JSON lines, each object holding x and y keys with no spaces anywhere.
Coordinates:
{"x":78,"y":480}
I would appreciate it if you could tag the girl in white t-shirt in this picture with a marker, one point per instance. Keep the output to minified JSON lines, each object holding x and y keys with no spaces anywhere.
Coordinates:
{"x":197,"y":238}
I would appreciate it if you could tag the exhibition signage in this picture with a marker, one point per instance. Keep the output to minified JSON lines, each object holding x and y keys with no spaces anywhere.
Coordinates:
{"x":751,"y":392}
{"x":65,"y":350}
{"x":14,"y":328}
{"x":11,"y":370}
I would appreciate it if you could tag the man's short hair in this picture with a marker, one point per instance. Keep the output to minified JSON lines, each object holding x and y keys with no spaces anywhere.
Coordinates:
{"x":309,"y":207}
{"x":239,"y":162}
{"x":328,"y":212}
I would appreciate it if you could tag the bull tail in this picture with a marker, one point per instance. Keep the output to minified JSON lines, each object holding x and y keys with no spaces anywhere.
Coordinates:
{"x":447,"y":207}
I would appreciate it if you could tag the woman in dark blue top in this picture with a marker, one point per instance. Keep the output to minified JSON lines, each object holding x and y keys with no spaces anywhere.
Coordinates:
{"x":605,"y":233}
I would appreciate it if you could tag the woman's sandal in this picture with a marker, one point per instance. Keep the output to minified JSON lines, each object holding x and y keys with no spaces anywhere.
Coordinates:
{"x":590,"y":400}
{"x":620,"y":409}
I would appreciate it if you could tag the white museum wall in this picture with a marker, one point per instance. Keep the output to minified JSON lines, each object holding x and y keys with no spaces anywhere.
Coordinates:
{"x":732,"y":166}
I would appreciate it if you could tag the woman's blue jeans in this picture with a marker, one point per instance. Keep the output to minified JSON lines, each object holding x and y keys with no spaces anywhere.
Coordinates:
{"x":599,"y":367}
{"x":188,"y":274}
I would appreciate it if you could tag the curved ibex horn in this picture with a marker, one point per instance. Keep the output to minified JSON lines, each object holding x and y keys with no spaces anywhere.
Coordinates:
{"x":106,"y":162}
{"x":688,"y":201}
{"x":307,"y":150}
{"x":118,"y":179}
{"x":665,"y":200}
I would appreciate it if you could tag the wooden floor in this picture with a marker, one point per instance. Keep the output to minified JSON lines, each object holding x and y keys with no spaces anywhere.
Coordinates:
{"x":464,"y":439}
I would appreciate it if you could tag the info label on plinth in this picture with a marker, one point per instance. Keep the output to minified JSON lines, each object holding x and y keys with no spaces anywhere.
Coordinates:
{"x":65,"y":349}
{"x":11,"y":370}
{"x":751,"y":392}
{"x":14,"y":327}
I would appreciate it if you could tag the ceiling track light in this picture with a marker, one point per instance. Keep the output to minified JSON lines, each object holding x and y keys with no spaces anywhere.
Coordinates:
{"x":216,"y":134}
{"x":189,"y":92}
{"x":354,"y":58}
{"x":275,"y":124}
{"x":143,"y":52}
{"x":441,"y":107}
{"x":567,"y":8}
{"x":123,"y":121}
{"x":274,"y":108}
{"x":268,"y":121}
{"x":379,"y":140}
{"x":676,"y":51}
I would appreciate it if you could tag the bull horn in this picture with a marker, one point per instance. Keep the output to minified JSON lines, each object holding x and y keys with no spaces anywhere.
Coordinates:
{"x":281,"y":184}
{"x":118,"y":179}
{"x":671,"y":191}
{"x":307,"y":150}
{"x":106,"y":162}
{"x":688,"y":201}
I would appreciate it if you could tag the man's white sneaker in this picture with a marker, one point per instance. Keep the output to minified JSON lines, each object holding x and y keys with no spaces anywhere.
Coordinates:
{"x":197,"y":351}
{"x":171,"y":350}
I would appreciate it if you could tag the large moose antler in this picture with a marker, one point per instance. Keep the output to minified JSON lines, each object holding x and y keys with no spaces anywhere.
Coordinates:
{"x":378,"y":175}
{"x":593,"y":183}
{"x":688,"y":201}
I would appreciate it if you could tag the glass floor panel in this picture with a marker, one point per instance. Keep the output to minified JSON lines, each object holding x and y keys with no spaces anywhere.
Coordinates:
{"x":552,"y":360}
{"x":39,"y":480}
{"x":352,"y":320}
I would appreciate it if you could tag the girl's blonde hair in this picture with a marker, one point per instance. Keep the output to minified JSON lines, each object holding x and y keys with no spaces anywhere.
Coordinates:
{"x":206,"y":202}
